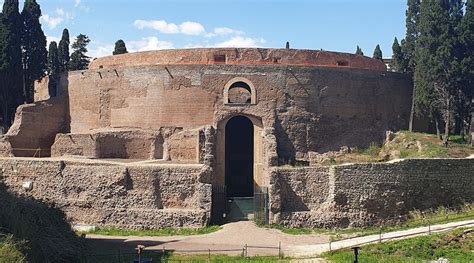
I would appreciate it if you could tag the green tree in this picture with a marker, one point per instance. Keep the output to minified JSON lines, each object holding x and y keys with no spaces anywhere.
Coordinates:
{"x":378,"y":53}
{"x":359,"y":51}
{"x":79,"y":60}
{"x":467,"y":63}
{"x":437,"y":66}
{"x":54,"y":68}
{"x":63,"y":51}
{"x":412,"y":33}
{"x":11,"y":83}
{"x":397,"y":57}
{"x":33,"y":46}
{"x":120,"y":48}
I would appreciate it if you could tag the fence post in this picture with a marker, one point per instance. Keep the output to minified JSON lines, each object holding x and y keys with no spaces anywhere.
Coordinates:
{"x":164,"y":254}
{"x":209,"y":255}
{"x":279,"y":249}
{"x":119,"y":256}
{"x":429,"y":227}
{"x":380,"y":236}
{"x":330,"y":240}
{"x":246,"y":250}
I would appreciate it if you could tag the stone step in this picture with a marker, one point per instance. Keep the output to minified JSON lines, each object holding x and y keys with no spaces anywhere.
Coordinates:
{"x":241,"y":208}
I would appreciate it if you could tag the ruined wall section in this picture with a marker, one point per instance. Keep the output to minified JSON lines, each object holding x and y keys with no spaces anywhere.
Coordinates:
{"x":35,"y":127}
{"x":106,"y":194}
{"x":368,"y":194}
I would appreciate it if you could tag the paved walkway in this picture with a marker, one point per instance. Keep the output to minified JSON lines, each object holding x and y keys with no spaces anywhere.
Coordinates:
{"x":260,"y":241}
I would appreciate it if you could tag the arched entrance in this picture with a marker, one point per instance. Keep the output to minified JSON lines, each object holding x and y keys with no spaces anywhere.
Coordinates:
{"x":239,"y":157}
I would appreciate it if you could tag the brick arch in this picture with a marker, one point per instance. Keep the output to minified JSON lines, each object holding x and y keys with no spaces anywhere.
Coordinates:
{"x":253,"y":91}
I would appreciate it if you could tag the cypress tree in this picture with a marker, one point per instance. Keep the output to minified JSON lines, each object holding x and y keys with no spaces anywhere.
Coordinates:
{"x":397,"y":57}
{"x":34,"y":47}
{"x":467,"y":64}
{"x":437,"y":68}
{"x":54,"y":68}
{"x":359,"y":51}
{"x":79,"y":60}
{"x":378,"y":53}
{"x":11,"y":85}
{"x":287,"y":45}
{"x":412,"y":33}
{"x":63,"y":51}
{"x":120,"y":48}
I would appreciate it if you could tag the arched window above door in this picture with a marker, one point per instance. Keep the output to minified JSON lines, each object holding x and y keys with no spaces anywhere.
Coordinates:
{"x":239,"y":91}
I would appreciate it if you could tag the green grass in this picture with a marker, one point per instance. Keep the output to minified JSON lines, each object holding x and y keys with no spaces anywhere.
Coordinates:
{"x":111,"y":231}
{"x":456,"y":246}
{"x":169,"y":257}
{"x":416,"y":218}
{"x":11,"y":249}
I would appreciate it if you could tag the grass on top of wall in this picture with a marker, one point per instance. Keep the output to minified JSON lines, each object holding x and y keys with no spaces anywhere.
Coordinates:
{"x":416,"y":218}
{"x":11,"y":249}
{"x":456,"y":246}
{"x":112,"y":231}
{"x":404,"y":145}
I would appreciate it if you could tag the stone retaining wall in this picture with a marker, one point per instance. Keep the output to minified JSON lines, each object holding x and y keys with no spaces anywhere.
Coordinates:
{"x":367,"y":194}
{"x":111,"y":194}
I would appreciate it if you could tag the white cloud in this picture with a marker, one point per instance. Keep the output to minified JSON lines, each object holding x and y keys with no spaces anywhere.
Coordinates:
{"x":101,"y":51}
{"x":222,"y":31}
{"x":239,"y":41}
{"x":81,"y":6}
{"x":187,"y":28}
{"x":51,"y":21}
{"x":191,"y":28}
{"x":148,"y":43}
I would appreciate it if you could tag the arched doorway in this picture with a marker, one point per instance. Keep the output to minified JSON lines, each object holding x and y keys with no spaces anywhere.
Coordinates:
{"x":239,"y":157}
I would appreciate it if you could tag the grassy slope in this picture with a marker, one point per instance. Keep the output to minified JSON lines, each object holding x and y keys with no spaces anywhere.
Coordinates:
{"x":407,"y":145}
{"x":110,"y":231}
{"x":457,"y":246}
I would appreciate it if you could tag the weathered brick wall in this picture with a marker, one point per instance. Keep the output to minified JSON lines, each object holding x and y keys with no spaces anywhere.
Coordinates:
{"x":108,"y":194}
{"x":236,"y":56}
{"x":372,"y":193}
{"x":310,"y":108}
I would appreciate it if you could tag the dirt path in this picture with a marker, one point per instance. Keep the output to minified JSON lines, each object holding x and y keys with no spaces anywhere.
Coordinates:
{"x":260,"y":241}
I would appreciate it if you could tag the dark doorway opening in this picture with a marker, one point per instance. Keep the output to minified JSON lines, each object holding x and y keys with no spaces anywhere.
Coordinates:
{"x":239,"y":157}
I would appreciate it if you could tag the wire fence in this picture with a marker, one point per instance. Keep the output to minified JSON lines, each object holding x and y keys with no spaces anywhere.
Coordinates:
{"x":199,"y":255}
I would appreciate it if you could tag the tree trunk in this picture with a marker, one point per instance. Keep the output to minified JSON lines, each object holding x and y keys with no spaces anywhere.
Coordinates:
{"x":447,"y":122}
{"x":438,"y":129}
{"x":412,"y":112}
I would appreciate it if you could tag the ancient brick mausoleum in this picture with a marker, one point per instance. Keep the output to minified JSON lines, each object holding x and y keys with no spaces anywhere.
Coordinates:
{"x":185,"y":137}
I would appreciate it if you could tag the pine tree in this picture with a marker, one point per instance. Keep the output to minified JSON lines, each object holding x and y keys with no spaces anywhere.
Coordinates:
{"x":412,"y":33}
{"x":63,"y":51}
{"x":287,"y":45}
{"x":11,"y":84}
{"x":33,"y":46}
{"x":120,"y":48}
{"x":378,"y":53}
{"x":359,"y":51}
{"x":397,"y":57}
{"x":79,"y":60}
{"x":54,"y":68}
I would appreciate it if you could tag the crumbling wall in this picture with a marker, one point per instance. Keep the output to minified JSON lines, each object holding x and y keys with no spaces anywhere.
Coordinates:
{"x":35,"y":128}
{"x":108,"y":194}
{"x":367,"y":194}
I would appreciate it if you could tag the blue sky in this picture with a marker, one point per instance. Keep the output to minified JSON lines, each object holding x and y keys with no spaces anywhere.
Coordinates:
{"x":336,"y":25}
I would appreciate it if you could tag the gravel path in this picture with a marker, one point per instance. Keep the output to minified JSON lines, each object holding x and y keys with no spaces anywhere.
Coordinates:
{"x":260,"y":241}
